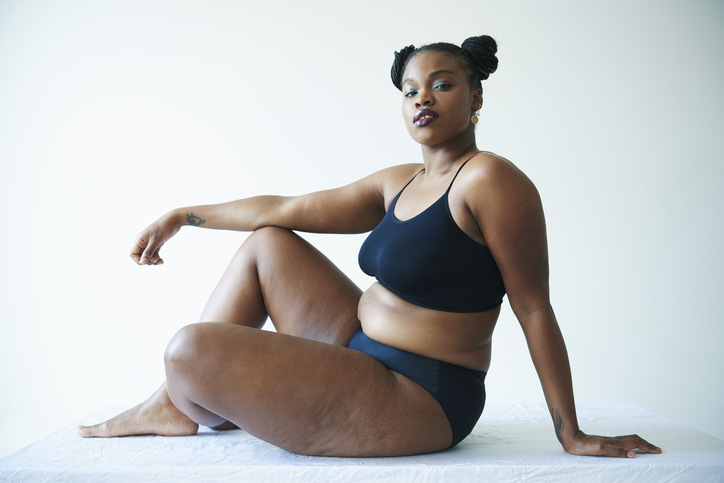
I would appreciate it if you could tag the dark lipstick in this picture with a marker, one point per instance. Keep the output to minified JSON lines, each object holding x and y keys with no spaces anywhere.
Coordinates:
{"x":423,"y":117}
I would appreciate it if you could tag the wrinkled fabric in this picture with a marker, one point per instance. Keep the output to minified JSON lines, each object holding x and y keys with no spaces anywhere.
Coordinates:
{"x":511,"y":443}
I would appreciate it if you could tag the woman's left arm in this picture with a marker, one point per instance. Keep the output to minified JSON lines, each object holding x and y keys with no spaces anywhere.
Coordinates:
{"x":508,"y":210}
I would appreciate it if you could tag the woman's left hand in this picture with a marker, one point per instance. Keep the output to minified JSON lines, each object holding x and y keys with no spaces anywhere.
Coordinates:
{"x":618,"y":447}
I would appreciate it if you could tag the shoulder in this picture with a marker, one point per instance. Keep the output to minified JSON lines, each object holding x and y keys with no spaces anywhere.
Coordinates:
{"x":394,"y":174}
{"x":489,"y":179}
{"x":486,"y":167}
{"x":386,"y":179}
{"x":401,"y":171}
{"x":391,"y":180}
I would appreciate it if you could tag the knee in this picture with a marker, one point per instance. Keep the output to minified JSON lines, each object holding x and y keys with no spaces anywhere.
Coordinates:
{"x":265,"y":241}
{"x":187,"y":347}
{"x":262,"y":239}
{"x":267,"y":236}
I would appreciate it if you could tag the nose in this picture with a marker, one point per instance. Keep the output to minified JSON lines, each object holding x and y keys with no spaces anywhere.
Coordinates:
{"x":424,"y":98}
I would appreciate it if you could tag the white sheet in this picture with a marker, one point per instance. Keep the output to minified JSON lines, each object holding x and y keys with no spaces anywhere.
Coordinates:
{"x":511,"y":443}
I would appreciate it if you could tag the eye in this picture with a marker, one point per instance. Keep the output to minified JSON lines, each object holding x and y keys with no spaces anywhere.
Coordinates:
{"x":442,"y":86}
{"x":410,"y":93}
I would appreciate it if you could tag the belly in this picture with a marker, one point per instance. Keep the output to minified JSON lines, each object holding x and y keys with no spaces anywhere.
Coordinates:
{"x":458,"y":338}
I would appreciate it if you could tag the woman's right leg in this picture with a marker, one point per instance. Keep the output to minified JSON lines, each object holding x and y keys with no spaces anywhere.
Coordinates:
{"x":277,"y":274}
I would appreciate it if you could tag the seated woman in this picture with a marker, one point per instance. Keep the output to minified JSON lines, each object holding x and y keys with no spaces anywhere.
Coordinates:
{"x":400,"y":368}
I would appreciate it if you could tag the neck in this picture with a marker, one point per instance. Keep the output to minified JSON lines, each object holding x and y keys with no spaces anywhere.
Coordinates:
{"x":441,"y":159}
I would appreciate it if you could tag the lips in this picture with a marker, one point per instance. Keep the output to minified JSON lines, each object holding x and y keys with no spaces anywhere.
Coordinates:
{"x":423,"y":117}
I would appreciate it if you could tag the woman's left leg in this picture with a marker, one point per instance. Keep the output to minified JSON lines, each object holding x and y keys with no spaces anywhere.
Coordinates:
{"x":302,"y":395}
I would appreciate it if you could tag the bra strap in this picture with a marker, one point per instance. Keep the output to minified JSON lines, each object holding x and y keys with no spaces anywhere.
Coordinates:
{"x":411,"y":180}
{"x":459,"y":169}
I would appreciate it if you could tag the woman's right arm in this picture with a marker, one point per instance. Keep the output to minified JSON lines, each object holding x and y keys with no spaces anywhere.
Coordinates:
{"x":354,"y":208}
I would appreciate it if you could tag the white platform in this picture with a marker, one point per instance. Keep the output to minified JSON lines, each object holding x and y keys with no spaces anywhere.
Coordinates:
{"x":511,"y":443}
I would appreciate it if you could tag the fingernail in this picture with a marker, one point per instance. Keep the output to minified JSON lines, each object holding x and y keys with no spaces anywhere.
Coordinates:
{"x":631,"y":454}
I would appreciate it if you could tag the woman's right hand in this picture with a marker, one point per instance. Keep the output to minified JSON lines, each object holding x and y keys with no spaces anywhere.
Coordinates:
{"x":149,"y":241}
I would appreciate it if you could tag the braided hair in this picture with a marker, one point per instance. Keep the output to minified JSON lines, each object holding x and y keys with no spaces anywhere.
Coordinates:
{"x":476,"y":55}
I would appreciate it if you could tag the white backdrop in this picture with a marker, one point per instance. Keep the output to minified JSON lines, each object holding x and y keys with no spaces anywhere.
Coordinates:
{"x":113,"y":112}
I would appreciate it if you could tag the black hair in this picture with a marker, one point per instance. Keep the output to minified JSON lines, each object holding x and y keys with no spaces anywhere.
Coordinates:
{"x":476,"y":55}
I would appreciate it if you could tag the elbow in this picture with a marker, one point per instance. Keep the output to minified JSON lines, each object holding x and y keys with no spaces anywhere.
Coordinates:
{"x":525,"y":307}
{"x":274,"y":213}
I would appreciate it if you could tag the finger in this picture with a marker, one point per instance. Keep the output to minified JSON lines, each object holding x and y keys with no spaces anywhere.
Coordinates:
{"x":652,"y":448}
{"x":156,"y":258}
{"x":616,"y":451}
{"x":640,"y":443}
{"x":138,"y":248}
{"x":150,"y":252}
{"x":634,"y":441}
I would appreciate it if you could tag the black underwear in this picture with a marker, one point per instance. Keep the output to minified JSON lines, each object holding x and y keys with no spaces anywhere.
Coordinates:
{"x":459,"y":391}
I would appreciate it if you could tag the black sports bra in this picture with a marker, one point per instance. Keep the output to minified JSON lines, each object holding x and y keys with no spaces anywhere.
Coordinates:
{"x":429,"y":261}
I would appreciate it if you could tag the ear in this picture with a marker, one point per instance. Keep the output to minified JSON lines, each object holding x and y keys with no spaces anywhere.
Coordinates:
{"x":476,"y":98}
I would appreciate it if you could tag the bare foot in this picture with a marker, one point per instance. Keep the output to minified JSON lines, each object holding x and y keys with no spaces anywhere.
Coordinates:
{"x":156,"y":415}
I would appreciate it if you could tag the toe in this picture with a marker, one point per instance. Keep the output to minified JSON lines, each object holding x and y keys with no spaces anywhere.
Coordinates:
{"x":88,"y":431}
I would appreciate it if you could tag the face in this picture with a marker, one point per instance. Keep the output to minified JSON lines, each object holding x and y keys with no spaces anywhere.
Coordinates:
{"x":437,"y":99}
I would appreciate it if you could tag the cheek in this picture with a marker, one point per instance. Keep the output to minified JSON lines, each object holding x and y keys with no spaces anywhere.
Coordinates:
{"x":408,"y":110}
{"x":408,"y":114}
{"x":464,"y":110}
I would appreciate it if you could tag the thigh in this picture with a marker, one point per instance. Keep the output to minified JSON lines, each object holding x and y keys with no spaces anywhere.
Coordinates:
{"x":279,"y":274}
{"x":305,"y":396}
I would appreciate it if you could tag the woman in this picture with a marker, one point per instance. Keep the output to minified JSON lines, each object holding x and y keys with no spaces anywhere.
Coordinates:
{"x":400,"y":368}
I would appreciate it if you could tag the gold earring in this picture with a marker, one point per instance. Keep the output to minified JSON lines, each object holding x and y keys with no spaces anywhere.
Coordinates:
{"x":474,"y":118}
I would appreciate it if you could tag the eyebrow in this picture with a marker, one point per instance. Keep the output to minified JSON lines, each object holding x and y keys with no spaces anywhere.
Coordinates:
{"x":433,"y":74}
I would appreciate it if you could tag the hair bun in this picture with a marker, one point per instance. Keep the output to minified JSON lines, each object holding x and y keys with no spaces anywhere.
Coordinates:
{"x":482,"y":51}
{"x":398,"y":65}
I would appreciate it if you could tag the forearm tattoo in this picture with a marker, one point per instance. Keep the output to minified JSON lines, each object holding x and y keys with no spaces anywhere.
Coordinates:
{"x":558,"y":423}
{"x":194,"y":220}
